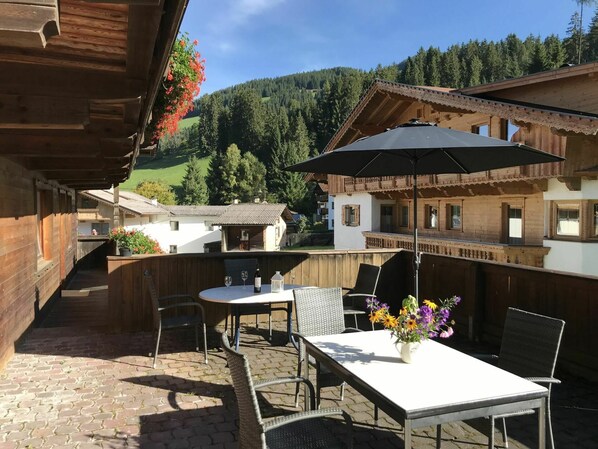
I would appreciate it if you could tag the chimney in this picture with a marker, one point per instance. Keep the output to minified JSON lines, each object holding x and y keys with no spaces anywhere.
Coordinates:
{"x":235,"y":201}
{"x":154,"y":201}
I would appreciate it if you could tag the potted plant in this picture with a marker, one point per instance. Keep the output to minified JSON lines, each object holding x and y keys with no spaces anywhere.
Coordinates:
{"x":414,"y":324}
{"x":133,"y":241}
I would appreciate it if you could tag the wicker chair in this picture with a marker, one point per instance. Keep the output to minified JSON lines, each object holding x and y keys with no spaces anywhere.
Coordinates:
{"x":319,"y":311}
{"x":365,"y":287}
{"x":529,"y":348}
{"x":306,"y":429}
{"x":192,"y":315}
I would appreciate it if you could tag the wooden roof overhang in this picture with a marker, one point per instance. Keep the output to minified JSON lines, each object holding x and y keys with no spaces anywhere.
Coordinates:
{"x":78,"y":79}
{"x":385,"y":105}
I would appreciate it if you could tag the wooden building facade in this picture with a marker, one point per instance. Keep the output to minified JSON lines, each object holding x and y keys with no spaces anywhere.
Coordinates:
{"x":78,"y":80}
{"x":543,"y":215}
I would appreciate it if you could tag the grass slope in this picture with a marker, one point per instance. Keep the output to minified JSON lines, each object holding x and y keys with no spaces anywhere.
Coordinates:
{"x":187,"y":122}
{"x":171,"y":168}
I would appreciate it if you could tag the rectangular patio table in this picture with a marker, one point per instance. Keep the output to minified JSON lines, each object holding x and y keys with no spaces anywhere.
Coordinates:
{"x":239,"y":295}
{"x":443,"y":385}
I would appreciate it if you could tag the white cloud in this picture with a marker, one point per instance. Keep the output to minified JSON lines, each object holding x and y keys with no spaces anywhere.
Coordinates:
{"x":244,"y":10}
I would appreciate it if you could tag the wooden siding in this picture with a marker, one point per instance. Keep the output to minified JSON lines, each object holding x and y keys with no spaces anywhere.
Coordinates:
{"x":487,"y":289}
{"x":191,"y":273}
{"x":27,"y":284}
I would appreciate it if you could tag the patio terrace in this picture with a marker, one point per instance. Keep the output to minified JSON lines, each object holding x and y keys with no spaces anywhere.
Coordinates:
{"x":75,"y":385}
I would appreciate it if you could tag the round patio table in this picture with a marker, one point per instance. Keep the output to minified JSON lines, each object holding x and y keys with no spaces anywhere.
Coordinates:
{"x":238,"y":296}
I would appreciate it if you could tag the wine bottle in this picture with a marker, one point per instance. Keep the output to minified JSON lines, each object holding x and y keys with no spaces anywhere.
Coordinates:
{"x":257,"y":281}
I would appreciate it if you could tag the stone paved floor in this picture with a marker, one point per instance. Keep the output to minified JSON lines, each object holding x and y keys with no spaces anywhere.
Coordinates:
{"x":68,"y":389}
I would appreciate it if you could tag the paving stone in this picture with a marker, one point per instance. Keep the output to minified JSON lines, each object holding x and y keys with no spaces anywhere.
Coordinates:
{"x":99,"y":391}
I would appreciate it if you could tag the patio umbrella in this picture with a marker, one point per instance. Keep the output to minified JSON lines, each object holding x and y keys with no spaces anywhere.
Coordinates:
{"x":419,"y":148}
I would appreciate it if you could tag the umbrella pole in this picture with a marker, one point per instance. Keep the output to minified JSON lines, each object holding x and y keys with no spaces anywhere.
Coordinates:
{"x":416,"y":256}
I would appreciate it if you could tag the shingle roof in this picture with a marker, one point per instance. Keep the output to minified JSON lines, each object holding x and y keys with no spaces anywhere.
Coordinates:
{"x":207,"y":211}
{"x":129,"y":202}
{"x":253,"y":214}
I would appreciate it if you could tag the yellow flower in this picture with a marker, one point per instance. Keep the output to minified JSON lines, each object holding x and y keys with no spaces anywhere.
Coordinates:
{"x":390,"y":321}
{"x":431,"y":305}
{"x":377,"y":316}
{"x":404,"y":311}
{"x":411,"y":324}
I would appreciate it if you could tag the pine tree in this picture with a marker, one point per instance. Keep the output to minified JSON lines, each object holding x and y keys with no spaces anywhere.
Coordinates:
{"x":555,"y":54}
{"x":432,"y":67}
{"x":222,"y":176}
{"x":210,"y":109}
{"x":251,"y":176}
{"x":572,"y":43}
{"x":592,"y":39}
{"x":539,"y":60}
{"x":194,"y":188}
{"x":450,"y":68}
{"x":247,"y":121}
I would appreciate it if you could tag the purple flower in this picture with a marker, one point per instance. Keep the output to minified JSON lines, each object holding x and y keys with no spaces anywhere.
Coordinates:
{"x":447,"y":333}
{"x":426,"y":314}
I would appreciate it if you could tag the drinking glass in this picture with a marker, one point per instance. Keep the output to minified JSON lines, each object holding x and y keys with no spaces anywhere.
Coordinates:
{"x":244,"y":276}
{"x":228,"y":280}
{"x":292,"y":276}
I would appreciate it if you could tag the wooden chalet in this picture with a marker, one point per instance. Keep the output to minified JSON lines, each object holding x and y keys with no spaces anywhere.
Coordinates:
{"x":77,"y":83}
{"x":541,"y":215}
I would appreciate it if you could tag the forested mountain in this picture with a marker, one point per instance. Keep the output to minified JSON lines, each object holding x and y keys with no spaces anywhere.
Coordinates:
{"x":256,"y":128}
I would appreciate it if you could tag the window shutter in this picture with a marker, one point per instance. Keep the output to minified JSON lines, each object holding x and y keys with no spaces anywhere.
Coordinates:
{"x":356,"y":223}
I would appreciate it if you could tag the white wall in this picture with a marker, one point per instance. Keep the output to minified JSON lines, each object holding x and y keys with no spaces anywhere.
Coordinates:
{"x":331,"y":211}
{"x":272,"y":243}
{"x":351,"y":237}
{"x":190,"y":237}
{"x":574,"y":257}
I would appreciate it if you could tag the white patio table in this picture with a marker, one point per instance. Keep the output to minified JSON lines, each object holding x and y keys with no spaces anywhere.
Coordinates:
{"x":239,"y":295}
{"x":442,"y":385}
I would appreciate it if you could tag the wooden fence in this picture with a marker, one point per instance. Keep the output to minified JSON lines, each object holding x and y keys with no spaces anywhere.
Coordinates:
{"x":487,"y":289}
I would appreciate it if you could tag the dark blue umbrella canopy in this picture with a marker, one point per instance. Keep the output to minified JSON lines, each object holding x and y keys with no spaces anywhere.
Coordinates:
{"x":418,"y":148}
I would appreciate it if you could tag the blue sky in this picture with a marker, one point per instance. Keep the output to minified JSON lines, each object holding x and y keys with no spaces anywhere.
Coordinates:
{"x":246,"y":39}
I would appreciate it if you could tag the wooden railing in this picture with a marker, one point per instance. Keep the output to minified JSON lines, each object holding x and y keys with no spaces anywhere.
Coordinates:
{"x":532,"y":256}
{"x":487,"y":288}
{"x":88,"y":214}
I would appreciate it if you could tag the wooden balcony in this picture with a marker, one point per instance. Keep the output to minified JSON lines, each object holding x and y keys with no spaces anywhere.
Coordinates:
{"x":89,"y":214}
{"x":532,"y":256}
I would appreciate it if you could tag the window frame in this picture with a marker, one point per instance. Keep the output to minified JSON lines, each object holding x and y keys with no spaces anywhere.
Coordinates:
{"x":566,"y":205}
{"x":174,"y":225}
{"x":449,"y":217}
{"x":391,"y":226}
{"x":171,"y":247}
{"x":402,"y":209}
{"x":351,"y":215}
{"x":428,"y":208}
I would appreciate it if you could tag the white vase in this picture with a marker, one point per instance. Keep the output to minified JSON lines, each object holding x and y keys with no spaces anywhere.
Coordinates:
{"x":409,"y":352}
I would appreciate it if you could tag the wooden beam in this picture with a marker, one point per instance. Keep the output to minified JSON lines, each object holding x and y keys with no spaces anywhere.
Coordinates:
{"x":128,"y":2}
{"x":143,"y":21}
{"x":63,"y":146}
{"x":18,"y":78}
{"x":76,"y":164}
{"x":32,"y":111}
{"x":28,"y":24}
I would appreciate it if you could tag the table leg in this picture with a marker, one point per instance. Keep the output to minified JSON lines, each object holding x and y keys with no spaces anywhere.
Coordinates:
{"x":542,"y":425}
{"x":237,"y":327}
{"x":407,"y":434}
{"x":438,"y":435}
{"x":306,"y":375}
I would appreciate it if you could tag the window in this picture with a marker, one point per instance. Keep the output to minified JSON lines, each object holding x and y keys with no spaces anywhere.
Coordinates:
{"x":44,"y":208}
{"x":567,"y":220}
{"x":351,"y":215}
{"x":386,"y":214}
{"x":100,"y":228}
{"x":515,"y":226}
{"x":244,"y":234}
{"x":509,"y":129}
{"x":174,"y":225}
{"x":481,"y":129}
{"x":173,"y":249}
{"x":595,"y":220}
{"x":87,"y":203}
{"x":404,"y":223}
{"x":454,"y":217}
{"x":431,"y":217}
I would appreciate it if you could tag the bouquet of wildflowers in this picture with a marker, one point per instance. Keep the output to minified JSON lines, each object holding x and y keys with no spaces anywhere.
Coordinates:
{"x":415,"y":323}
{"x":135,"y":240}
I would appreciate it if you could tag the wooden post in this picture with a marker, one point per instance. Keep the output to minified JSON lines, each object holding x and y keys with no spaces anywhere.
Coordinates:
{"x":116,"y":214}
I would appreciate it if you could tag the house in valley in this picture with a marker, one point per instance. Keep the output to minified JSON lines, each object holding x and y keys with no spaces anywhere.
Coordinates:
{"x":75,"y":108}
{"x":177,"y":229}
{"x":542,"y":215}
{"x":254,"y":226}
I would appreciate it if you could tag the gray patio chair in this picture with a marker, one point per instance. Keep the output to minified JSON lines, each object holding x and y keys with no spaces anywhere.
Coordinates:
{"x":365,"y":287}
{"x":319,"y":311}
{"x":529,"y":348}
{"x":307,"y":429}
{"x":233,"y":268}
{"x":190,"y":313}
